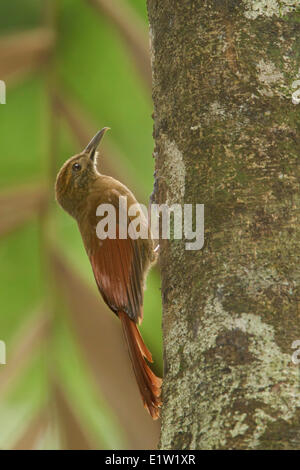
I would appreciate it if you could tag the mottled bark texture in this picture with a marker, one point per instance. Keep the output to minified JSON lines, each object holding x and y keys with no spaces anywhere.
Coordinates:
{"x":228,"y":135}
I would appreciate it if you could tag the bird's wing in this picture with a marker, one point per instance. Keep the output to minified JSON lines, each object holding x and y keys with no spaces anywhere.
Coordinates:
{"x":118,"y":270}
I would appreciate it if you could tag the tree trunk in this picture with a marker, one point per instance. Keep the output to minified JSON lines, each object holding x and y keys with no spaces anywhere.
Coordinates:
{"x":227,"y":134}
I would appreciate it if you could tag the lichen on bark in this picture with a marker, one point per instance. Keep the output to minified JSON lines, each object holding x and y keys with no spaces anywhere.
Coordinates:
{"x":256,"y":8}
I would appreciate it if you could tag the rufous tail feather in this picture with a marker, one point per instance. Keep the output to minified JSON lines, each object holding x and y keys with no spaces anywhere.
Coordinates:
{"x":149,"y":384}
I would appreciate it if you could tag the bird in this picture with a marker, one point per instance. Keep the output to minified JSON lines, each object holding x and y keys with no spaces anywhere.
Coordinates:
{"x":120,"y":265}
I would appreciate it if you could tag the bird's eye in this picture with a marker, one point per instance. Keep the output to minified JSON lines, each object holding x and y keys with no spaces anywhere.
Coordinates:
{"x":76,"y":167}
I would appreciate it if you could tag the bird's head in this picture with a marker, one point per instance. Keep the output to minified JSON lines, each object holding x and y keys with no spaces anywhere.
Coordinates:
{"x":77,"y":176}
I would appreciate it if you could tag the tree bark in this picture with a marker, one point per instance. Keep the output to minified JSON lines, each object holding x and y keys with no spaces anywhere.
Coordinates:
{"x":227,"y":135}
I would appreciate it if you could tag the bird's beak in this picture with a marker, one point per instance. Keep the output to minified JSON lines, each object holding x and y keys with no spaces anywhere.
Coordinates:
{"x":93,"y":145}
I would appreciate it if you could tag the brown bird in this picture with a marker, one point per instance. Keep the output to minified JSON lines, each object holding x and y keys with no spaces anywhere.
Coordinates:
{"x":120,"y":265}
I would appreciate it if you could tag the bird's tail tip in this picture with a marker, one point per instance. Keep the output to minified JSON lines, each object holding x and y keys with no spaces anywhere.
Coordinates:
{"x":149,"y":384}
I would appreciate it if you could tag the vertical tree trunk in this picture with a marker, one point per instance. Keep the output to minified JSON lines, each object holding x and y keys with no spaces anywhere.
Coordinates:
{"x":227,"y":133}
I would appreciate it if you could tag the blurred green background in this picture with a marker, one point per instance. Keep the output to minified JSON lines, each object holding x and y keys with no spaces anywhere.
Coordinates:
{"x":70,"y":67}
